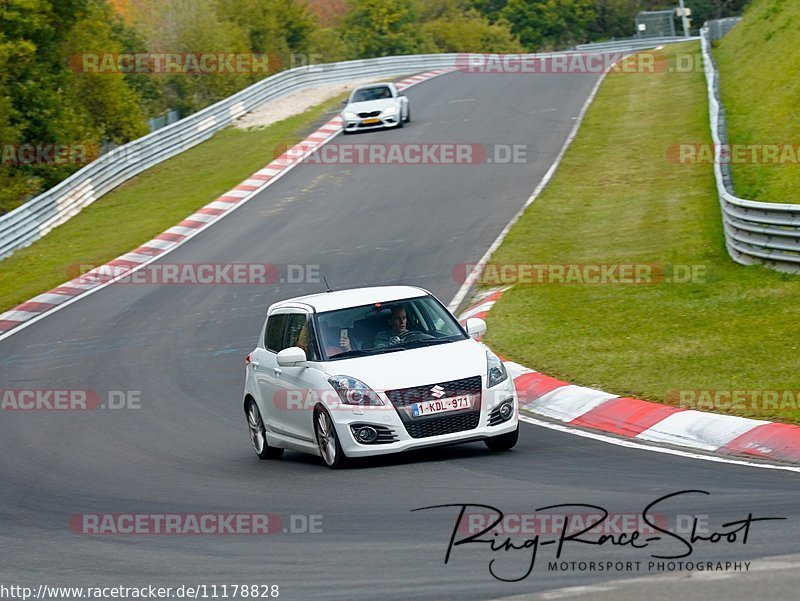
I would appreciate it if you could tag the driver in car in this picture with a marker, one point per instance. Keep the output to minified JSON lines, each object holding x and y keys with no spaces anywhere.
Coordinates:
{"x":398,"y":322}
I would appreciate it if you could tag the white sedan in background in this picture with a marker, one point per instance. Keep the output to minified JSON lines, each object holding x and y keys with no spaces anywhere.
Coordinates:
{"x":371,"y":371}
{"x":374,"y":106}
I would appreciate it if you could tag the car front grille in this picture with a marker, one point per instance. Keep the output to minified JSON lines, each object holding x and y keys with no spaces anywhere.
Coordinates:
{"x":408,"y":396}
{"x":436,"y":425}
{"x":448,"y":424}
{"x":370,"y":114}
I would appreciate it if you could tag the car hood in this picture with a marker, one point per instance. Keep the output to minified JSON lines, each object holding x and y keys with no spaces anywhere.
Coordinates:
{"x":415,"y":367}
{"x":371,"y":105}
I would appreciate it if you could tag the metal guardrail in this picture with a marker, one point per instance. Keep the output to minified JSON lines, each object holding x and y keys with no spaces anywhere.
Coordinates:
{"x":32,"y":220}
{"x":755,"y":232}
{"x":631,"y":44}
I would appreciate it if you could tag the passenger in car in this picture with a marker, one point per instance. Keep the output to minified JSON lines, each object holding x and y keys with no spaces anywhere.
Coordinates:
{"x":398,"y":324}
{"x":336,"y":340}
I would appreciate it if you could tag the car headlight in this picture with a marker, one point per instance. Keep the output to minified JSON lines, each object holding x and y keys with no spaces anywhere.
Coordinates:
{"x":390,"y":111}
{"x":350,"y":115}
{"x":496,"y":371}
{"x":354,"y":392}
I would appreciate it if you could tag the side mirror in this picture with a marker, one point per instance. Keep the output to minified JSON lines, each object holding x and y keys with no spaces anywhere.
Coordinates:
{"x":290,"y":357}
{"x":476,"y":327}
{"x":345,"y":101}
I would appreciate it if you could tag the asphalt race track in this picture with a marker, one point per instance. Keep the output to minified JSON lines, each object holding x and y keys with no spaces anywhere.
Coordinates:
{"x":186,"y":450}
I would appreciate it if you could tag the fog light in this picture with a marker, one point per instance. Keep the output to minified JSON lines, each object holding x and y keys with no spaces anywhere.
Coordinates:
{"x":366,"y":434}
{"x":506,"y":409}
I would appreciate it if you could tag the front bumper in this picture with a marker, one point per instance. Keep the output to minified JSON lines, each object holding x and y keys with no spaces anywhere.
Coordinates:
{"x":387,"y":418}
{"x":360,"y":124}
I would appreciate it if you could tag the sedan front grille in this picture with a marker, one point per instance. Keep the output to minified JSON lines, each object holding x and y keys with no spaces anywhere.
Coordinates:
{"x":370,"y":114}
{"x":448,"y":424}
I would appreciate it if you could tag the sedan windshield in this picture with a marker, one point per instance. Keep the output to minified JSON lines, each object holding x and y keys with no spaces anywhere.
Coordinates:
{"x":371,"y":94}
{"x":386,"y":327}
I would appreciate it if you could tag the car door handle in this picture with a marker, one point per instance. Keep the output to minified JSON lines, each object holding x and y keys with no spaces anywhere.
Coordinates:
{"x":278,"y":371}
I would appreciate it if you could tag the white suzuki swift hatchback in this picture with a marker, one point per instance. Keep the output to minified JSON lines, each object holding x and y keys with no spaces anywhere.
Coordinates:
{"x":371,"y":371}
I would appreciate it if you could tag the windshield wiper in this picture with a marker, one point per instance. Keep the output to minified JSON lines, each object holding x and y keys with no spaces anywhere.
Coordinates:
{"x":350,"y":353}
{"x":421,"y":343}
{"x":387,"y":349}
{"x":365,"y":352}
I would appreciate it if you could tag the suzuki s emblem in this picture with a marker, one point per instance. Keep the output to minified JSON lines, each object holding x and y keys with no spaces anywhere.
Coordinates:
{"x":437,"y":391}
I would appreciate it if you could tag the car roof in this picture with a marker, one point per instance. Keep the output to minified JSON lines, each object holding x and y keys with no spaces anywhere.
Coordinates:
{"x":374,"y":85}
{"x":354,"y":297}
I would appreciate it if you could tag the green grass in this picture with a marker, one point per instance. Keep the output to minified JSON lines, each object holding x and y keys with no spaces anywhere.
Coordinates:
{"x":149,"y":204}
{"x":616,"y":198}
{"x":759,"y":65}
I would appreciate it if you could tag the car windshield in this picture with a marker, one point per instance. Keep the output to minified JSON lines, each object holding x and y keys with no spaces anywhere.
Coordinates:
{"x":386,"y":327}
{"x":366,"y":94}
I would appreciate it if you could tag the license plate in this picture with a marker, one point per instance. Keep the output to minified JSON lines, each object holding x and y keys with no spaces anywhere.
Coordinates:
{"x":441,"y":406}
{"x":371,"y":121}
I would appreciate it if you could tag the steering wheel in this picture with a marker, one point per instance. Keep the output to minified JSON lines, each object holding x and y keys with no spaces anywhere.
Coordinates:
{"x":409,"y":336}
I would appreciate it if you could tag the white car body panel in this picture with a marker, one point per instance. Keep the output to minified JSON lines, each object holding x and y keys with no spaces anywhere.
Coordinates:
{"x":353,"y":120}
{"x":287,"y":396}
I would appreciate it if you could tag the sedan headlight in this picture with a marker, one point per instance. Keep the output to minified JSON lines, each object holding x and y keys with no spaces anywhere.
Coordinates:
{"x":390,"y":111}
{"x":496,"y":371}
{"x":354,"y":392}
{"x":350,"y":115}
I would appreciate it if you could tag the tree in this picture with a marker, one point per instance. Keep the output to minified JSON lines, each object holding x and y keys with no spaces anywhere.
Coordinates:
{"x":549,"y":24}
{"x":44,"y":102}
{"x":192,"y":27}
{"x":613,"y":19}
{"x":471,"y":33}
{"x":382,"y":28}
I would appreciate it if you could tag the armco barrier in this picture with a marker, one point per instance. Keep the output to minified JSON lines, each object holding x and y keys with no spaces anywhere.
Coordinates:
{"x":630,"y":44}
{"x":755,"y":232}
{"x":29,"y":222}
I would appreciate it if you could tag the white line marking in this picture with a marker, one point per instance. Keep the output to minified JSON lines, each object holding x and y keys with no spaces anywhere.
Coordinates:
{"x":473,"y":276}
{"x":160,"y":244}
{"x":700,"y":429}
{"x":565,"y":403}
{"x":645,"y":447}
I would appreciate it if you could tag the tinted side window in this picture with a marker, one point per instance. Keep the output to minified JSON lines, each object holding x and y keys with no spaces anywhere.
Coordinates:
{"x":300,"y":333}
{"x":274,"y":337}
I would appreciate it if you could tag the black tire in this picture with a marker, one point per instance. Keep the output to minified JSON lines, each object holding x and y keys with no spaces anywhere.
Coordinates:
{"x":400,"y":122}
{"x":258,"y":434}
{"x":328,"y":441}
{"x":408,"y":114}
{"x":504,"y":442}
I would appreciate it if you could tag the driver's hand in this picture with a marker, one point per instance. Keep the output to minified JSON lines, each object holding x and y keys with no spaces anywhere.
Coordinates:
{"x":344,"y":343}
